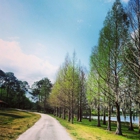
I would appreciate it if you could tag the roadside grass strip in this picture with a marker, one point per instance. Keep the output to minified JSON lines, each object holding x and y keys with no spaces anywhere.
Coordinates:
{"x":86,"y":130}
{"x":13,"y":123}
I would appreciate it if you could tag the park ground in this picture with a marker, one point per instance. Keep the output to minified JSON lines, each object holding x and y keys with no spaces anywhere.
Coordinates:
{"x":14,"y":122}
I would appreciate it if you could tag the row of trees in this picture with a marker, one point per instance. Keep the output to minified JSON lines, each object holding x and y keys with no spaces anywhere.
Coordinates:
{"x":16,"y":93}
{"x":68,"y":93}
{"x":114,"y":77}
{"x":113,"y":82}
{"x":13,"y":91}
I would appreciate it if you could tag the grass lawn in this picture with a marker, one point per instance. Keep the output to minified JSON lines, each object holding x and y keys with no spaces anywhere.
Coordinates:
{"x":13,"y":123}
{"x":86,"y":130}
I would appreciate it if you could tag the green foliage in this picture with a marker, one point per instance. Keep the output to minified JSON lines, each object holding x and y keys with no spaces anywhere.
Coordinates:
{"x":69,"y":90}
{"x":13,"y":91}
{"x":106,"y":63}
{"x":41,"y":92}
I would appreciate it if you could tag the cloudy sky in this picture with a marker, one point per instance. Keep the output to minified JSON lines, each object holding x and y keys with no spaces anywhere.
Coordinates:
{"x":36,"y":35}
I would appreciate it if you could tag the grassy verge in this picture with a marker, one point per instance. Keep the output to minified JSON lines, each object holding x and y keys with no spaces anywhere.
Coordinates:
{"x":13,"y":123}
{"x":86,"y":130}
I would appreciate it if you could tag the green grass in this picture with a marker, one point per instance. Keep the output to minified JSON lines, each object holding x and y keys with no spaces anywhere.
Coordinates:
{"x":86,"y":130}
{"x":13,"y":123}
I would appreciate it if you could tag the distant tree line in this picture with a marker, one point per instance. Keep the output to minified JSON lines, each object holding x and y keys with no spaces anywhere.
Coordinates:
{"x":41,"y":91}
{"x":13,"y":91}
{"x":68,"y":96}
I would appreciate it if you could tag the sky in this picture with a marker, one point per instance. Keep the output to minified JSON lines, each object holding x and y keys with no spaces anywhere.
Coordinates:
{"x":36,"y":35}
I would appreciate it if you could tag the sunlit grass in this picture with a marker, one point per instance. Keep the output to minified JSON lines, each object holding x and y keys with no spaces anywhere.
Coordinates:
{"x":13,"y":123}
{"x":86,"y":130}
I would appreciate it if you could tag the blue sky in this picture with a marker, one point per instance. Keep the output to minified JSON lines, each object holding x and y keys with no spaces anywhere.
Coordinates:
{"x":36,"y":35}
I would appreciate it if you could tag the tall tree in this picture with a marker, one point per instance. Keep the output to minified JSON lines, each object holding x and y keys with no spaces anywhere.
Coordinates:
{"x":134,"y":17}
{"x":45,"y":91}
{"x":81,"y":99}
{"x":114,"y":37}
{"x":117,"y":18}
{"x":95,"y":72}
{"x":41,"y":91}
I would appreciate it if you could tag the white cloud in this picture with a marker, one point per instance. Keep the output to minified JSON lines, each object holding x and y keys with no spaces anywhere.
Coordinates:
{"x":25,"y":67}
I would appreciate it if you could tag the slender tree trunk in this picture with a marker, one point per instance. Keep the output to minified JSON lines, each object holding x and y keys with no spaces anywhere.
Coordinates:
{"x":131,"y":124}
{"x":118,"y":129}
{"x":54,"y":112}
{"x":89,"y":115}
{"x":59,"y":112}
{"x":80,"y":114}
{"x":109,"y":118}
{"x":69,"y":115}
{"x":64,"y":114}
{"x":72,"y":110}
{"x":104,"y":117}
{"x":99,"y":124}
{"x":98,"y":108}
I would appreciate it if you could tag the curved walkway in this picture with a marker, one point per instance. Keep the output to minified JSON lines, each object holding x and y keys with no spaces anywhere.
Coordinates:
{"x":47,"y":128}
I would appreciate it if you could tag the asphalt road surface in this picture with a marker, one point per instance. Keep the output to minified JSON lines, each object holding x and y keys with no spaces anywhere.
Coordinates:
{"x":47,"y":128}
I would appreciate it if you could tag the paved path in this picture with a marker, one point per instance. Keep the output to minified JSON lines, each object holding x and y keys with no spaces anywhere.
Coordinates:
{"x":47,"y":128}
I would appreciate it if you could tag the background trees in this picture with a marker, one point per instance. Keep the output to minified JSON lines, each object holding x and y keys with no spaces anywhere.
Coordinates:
{"x":41,"y":91}
{"x":13,"y":91}
{"x":69,"y":89}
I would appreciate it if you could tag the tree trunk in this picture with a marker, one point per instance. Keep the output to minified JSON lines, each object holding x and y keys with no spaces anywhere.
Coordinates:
{"x":54,"y":113}
{"x":118,"y":129}
{"x":72,"y":106}
{"x":59,"y":112}
{"x":64,"y":114}
{"x":89,"y":115}
{"x":80,"y":119}
{"x":99,"y":124}
{"x":72,"y":115}
{"x":109,"y":118}
{"x":69,"y":115}
{"x":104,"y":118}
{"x":78,"y":114}
{"x":131,"y":124}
